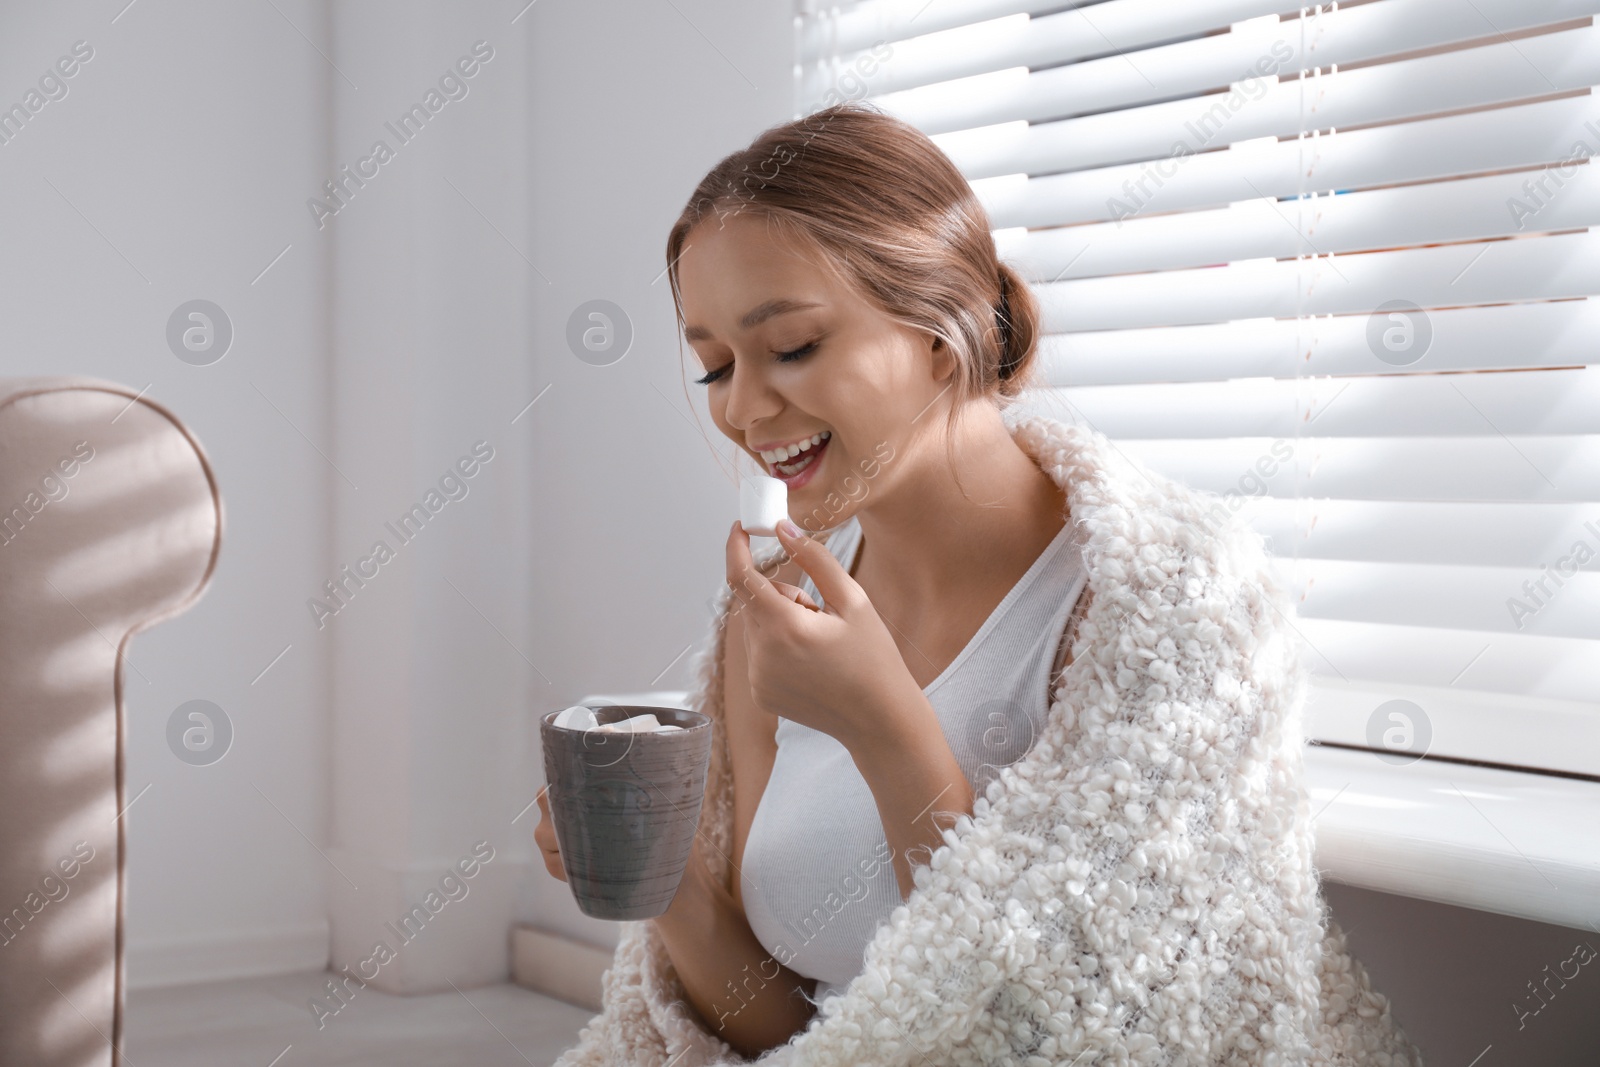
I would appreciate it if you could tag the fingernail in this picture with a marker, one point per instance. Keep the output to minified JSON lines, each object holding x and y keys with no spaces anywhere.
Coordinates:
{"x":789,"y":528}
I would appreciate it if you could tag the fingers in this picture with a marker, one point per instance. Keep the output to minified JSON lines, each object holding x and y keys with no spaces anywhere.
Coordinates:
{"x":796,"y":594}
{"x":833,"y":582}
{"x":544,"y":835}
{"x":752,"y":587}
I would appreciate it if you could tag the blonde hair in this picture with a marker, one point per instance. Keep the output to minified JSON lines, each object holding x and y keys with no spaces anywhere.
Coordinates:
{"x":888,"y":212}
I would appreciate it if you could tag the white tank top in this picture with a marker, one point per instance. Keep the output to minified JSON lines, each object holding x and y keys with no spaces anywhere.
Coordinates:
{"x":816,"y":875}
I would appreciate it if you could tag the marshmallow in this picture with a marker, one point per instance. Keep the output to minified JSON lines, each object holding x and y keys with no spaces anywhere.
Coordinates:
{"x":638,"y":724}
{"x":576,"y":717}
{"x":579,"y":717}
{"x":763,"y":501}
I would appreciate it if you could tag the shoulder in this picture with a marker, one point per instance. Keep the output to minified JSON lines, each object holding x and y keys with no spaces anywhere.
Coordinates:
{"x":1157,"y":534}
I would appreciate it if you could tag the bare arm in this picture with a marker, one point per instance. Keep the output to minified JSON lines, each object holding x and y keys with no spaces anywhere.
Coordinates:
{"x":914,"y":777}
{"x":741,"y":993}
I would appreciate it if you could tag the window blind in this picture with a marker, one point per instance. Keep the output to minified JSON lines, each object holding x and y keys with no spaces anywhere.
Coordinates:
{"x":1335,"y":264}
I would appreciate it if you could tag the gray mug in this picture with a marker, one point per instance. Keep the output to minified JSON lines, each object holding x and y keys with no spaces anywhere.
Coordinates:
{"x":626,"y":807}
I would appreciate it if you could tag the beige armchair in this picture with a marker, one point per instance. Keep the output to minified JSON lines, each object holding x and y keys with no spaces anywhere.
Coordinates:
{"x":110,"y":521}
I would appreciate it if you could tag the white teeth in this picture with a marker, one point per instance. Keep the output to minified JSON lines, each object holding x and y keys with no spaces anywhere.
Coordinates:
{"x":778,"y":455}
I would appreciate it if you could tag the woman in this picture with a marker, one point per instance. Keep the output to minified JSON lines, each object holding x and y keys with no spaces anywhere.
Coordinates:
{"x":919,"y":816}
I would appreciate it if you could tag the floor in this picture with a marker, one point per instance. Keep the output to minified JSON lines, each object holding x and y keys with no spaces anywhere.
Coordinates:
{"x":268,"y":1022}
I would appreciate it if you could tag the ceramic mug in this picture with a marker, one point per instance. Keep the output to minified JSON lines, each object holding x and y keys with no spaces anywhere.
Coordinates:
{"x":626,"y":807}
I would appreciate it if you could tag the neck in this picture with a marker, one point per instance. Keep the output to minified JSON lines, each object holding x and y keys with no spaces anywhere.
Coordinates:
{"x":944,"y":528}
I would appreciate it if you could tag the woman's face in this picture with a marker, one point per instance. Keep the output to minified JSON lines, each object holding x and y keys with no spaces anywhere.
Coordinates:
{"x":791,"y":353}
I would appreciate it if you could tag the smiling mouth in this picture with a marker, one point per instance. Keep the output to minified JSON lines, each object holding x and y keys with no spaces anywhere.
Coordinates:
{"x":797,"y":463}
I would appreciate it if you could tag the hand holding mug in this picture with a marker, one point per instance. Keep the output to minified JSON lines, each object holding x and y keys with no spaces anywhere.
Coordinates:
{"x":544,"y":835}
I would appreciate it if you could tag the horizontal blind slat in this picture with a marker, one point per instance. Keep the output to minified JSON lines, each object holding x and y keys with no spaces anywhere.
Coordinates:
{"x":1483,"y":469}
{"x":1014,"y":40}
{"x":1536,"y":334}
{"x":820,"y":35}
{"x":1517,"y":403}
{"x":1544,"y":132}
{"x":1467,"y":209}
{"x":1524,"y":268}
{"x":1488,"y":534}
{"x":1494,"y":601}
{"x":1516,"y":729}
{"x":1546,"y":668}
{"x":1126,"y":23}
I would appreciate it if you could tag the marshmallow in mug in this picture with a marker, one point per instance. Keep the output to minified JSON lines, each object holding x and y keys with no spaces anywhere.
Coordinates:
{"x":579,"y":717}
{"x":763,"y":503}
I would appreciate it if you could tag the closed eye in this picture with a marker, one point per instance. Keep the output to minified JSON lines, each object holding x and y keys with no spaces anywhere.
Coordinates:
{"x":783,"y":357}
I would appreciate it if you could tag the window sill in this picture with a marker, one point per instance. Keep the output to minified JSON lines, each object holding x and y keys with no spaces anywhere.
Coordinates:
{"x":1508,"y":842}
{"x":1502,"y":841}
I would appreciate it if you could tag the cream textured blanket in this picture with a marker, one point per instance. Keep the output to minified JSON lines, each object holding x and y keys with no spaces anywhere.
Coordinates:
{"x":1138,"y":888}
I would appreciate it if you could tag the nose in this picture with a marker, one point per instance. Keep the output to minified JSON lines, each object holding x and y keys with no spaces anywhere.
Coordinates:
{"x":750,"y":397}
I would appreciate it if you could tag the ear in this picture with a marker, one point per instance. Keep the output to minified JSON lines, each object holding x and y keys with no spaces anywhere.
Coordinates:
{"x":943,"y":360}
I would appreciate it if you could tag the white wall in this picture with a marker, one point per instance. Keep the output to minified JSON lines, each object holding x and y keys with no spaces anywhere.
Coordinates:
{"x":432,"y":659}
{"x":573,"y":567}
{"x":416,"y":321}
{"x":630,"y":493}
{"x":176,"y":167}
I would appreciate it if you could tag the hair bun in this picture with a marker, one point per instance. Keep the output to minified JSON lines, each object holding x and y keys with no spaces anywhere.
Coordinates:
{"x":1002,"y":318}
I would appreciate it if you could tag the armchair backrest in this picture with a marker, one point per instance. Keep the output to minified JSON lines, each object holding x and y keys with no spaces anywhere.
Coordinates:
{"x":110,"y":521}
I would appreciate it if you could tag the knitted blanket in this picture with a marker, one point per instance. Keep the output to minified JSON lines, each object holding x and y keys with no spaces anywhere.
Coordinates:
{"x":1138,"y":888}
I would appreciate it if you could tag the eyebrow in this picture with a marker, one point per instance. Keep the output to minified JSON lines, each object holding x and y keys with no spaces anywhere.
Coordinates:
{"x":754,"y":317}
